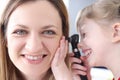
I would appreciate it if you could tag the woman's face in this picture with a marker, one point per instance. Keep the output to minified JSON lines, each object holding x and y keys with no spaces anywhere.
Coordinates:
{"x":95,"y":42}
{"x":33,"y":34}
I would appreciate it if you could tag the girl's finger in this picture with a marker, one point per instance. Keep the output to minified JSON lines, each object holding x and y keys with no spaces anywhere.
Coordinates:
{"x":79,"y":67}
{"x":74,"y":60}
{"x":79,"y":72}
{"x":71,"y":54}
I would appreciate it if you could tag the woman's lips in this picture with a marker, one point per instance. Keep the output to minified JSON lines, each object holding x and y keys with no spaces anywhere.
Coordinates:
{"x":33,"y":59}
{"x":30,"y":57}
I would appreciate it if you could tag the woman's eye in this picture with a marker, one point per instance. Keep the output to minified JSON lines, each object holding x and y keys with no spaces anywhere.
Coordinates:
{"x":48,"y":32}
{"x":20,"y":32}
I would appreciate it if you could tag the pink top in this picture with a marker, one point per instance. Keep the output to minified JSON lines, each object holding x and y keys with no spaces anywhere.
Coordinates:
{"x":118,"y":79}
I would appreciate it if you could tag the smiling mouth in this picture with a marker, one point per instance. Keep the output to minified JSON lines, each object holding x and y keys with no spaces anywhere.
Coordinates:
{"x":34,"y":57}
{"x":87,"y":53}
{"x":30,"y":57}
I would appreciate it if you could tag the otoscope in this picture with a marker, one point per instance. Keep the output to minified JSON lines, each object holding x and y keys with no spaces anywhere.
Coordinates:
{"x":74,"y":39}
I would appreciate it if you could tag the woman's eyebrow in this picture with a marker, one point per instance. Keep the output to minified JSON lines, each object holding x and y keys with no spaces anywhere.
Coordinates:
{"x":49,"y":26}
{"x":43,"y":27}
{"x":21,"y":25}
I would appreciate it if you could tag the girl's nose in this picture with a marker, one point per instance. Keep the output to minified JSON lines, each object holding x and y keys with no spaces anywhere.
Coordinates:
{"x":34,"y":44}
{"x":80,"y":44}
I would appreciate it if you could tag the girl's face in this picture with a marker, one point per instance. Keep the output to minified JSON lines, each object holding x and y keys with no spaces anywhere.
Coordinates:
{"x":33,"y":34}
{"x":95,"y":42}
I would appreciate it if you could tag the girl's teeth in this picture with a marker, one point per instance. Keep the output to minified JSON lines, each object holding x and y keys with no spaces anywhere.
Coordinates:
{"x":33,"y":57}
{"x":87,"y":53}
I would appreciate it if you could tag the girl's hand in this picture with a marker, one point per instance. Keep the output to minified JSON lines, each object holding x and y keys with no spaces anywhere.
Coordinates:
{"x":78,"y":69}
{"x":58,"y":66}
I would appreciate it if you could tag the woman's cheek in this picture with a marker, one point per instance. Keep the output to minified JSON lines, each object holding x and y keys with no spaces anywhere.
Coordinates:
{"x":15,"y":45}
{"x":52,"y":46}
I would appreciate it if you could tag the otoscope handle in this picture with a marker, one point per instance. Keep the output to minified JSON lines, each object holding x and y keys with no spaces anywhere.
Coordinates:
{"x":77,"y":55}
{"x":83,"y":77}
{"x":74,"y":39}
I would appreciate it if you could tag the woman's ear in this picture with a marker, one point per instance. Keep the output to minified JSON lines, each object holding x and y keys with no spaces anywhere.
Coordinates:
{"x":116,"y":32}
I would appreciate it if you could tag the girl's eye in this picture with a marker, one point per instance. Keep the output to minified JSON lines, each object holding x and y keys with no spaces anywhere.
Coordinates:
{"x":49,"y":32}
{"x":83,"y":35}
{"x":20,"y":32}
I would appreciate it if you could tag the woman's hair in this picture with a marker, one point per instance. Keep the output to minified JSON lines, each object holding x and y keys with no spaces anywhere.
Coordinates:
{"x":103,"y":12}
{"x":7,"y":70}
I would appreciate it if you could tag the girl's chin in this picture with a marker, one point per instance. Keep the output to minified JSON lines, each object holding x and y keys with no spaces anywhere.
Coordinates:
{"x":91,"y":63}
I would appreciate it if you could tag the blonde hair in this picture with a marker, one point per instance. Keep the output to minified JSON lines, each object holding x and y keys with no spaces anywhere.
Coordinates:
{"x":7,"y":70}
{"x":102,"y":11}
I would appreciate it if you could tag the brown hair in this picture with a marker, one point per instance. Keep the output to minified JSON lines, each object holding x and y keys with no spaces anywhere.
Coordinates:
{"x":7,"y":70}
{"x":102,"y":11}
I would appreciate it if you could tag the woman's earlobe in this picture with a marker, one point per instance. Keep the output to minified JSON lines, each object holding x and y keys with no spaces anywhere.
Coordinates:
{"x":116,"y":33}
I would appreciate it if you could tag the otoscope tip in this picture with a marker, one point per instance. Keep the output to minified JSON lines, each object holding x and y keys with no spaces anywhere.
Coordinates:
{"x":69,"y":39}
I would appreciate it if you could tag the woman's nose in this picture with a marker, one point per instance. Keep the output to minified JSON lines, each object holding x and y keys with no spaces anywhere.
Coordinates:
{"x":34,"y":44}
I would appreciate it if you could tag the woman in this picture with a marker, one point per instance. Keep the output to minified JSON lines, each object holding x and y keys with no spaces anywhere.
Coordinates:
{"x":32,"y":40}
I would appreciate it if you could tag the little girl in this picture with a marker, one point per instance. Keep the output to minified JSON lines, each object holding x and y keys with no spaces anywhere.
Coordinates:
{"x":99,"y":28}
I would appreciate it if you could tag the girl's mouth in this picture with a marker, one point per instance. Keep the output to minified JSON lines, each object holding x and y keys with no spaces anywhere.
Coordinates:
{"x":87,"y":52}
